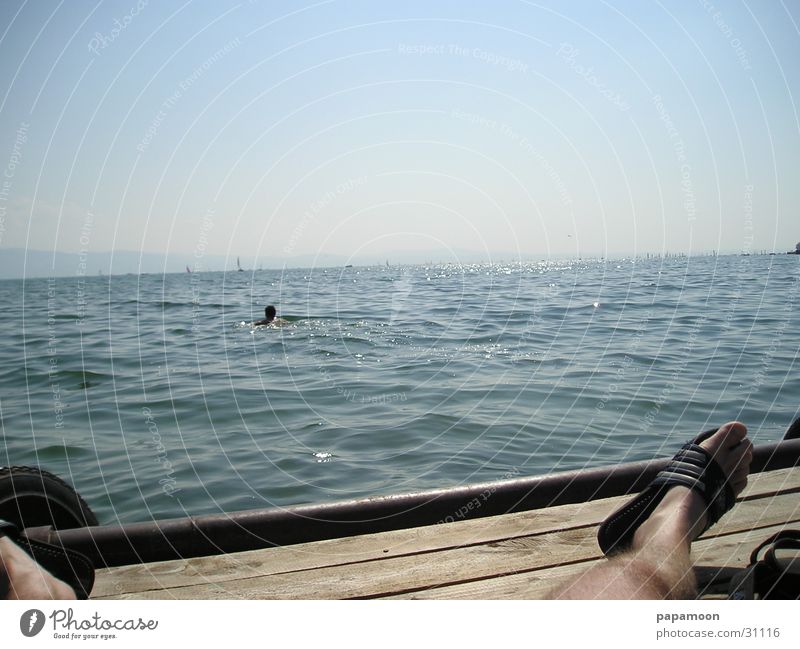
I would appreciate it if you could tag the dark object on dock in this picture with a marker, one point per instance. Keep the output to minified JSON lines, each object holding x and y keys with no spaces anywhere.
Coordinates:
{"x":774,"y":570}
{"x":249,"y":530}
{"x":31,"y":497}
{"x":793,"y":432}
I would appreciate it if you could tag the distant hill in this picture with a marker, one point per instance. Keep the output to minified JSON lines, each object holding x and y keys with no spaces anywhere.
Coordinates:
{"x":16,"y":263}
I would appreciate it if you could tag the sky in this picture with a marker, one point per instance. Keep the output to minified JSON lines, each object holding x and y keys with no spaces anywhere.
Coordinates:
{"x":276,"y":131}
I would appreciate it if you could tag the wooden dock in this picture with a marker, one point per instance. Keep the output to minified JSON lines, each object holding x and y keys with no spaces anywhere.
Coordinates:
{"x":514,"y":556}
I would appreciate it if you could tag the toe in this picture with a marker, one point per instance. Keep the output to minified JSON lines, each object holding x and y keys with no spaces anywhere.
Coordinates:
{"x":733,"y":452}
{"x":727,"y":437}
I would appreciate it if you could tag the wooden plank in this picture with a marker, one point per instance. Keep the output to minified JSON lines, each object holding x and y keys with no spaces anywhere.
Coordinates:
{"x":726,"y":549}
{"x":757,"y":513}
{"x":383,"y":576}
{"x":395,"y":575}
{"x":358,"y":549}
{"x":528,"y":585}
{"x":711,"y":556}
{"x":772,"y":482}
{"x":732,"y":535}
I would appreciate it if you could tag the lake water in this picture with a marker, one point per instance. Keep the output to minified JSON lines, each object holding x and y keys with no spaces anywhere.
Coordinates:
{"x":154,"y":398}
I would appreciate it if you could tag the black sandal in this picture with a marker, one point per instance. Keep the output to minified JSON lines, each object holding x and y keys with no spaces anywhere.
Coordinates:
{"x":692,"y":467}
{"x":774,"y":570}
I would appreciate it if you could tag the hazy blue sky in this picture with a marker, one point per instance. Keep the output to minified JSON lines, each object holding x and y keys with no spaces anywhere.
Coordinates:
{"x":277,"y":129}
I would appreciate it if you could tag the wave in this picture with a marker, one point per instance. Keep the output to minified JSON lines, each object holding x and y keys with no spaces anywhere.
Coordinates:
{"x":81,"y":379}
{"x":53,"y":452}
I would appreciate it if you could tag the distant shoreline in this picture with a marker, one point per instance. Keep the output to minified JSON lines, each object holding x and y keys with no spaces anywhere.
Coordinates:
{"x":178,"y":265}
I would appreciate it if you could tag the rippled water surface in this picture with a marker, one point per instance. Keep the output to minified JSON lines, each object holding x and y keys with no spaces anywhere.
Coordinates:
{"x":155,"y":398}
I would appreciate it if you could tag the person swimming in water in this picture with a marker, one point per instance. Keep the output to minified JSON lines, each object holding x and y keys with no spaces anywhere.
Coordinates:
{"x":270,"y":318}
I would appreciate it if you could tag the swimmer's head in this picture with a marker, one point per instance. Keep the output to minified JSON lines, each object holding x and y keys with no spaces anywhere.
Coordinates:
{"x":270,"y":312}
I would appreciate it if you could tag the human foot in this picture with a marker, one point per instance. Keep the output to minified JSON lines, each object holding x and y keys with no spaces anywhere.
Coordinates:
{"x":682,"y":515}
{"x":26,"y":578}
{"x":695,"y":489}
{"x":732,"y":452}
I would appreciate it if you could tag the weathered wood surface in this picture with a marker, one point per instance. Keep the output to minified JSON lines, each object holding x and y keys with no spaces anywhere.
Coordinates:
{"x":516,"y":556}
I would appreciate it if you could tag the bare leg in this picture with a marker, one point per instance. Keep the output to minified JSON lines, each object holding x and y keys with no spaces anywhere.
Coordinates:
{"x":658,"y":565}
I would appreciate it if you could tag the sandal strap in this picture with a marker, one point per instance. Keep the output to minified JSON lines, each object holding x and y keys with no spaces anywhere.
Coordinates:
{"x":687,"y":468}
{"x":692,"y":467}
